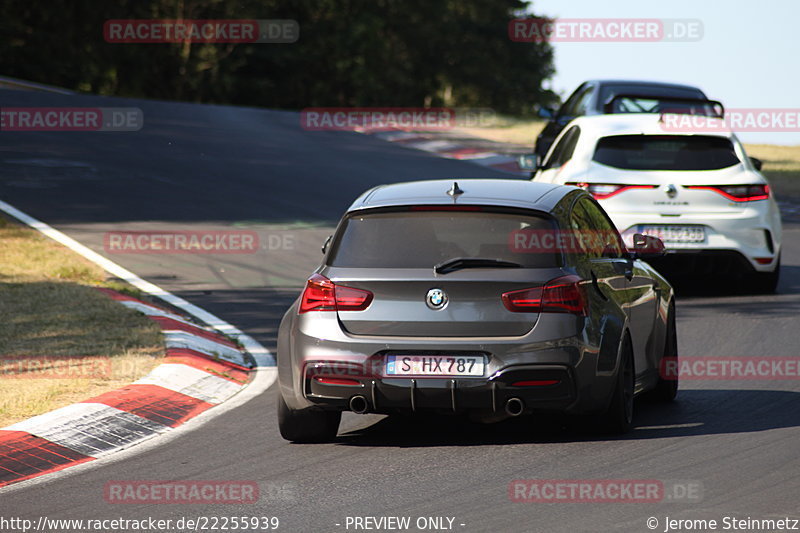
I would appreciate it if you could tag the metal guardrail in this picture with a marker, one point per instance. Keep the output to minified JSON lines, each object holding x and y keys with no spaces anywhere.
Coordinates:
{"x":13,"y":83}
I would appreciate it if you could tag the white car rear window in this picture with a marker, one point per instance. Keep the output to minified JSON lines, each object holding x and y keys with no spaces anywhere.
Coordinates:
{"x":665,"y":152}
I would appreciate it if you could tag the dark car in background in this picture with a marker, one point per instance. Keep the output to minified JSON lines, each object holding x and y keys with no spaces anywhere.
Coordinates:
{"x":475,"y":298}
{"x":598,"y":97}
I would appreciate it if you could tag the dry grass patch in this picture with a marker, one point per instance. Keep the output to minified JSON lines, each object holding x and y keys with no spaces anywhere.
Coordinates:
{"x":781,"y":167}
{"x":61,"y":340}
{"x":508,"y":130}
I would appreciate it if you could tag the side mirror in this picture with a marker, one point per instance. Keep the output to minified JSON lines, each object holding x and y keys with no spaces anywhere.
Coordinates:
{"x":544,"y":112}
{"x":647,"y":247}
{"x":529,"y":162}
{"x":326,"y":243}
{"x":756,"y":163}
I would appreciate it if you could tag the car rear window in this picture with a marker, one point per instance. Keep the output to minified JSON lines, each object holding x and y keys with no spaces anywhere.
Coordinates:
{"x":665,"y":152}
{"x":423,"y":239}
{"x":656,"y":94}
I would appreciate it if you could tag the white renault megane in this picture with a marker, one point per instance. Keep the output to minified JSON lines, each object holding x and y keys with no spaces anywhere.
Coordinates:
{"x":695,"y":189}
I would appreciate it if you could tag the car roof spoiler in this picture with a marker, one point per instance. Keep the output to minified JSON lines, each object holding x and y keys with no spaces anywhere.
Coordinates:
{"x":716,"y":106}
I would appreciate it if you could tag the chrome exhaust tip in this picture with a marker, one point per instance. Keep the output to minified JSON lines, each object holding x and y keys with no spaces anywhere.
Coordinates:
{"x":514,"y":407}
{"x":359,"y":405}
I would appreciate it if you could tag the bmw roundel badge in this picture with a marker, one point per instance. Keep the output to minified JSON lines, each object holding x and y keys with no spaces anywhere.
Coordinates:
{"x":436,"y":299}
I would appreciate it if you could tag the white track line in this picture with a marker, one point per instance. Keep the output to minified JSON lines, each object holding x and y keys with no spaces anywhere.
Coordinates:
{"x":149,"y":310}
{"x":262,"y":356}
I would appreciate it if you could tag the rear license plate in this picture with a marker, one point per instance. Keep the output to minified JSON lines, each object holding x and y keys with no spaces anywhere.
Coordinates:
{"x":435,"y":365}
{"x":671,"y":234}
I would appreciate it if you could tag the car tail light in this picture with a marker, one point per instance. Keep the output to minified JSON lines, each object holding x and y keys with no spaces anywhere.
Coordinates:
{"x":560,"y":295}
{"x":338,"y":381}
{"x":523,"y":301}
{"x":536,"y":383}
{"x":446,"y":208}
{"x":321,"y":294}
{"x":564,"y":295}
{"x":737,"y":193}
{"x":601,"y":191}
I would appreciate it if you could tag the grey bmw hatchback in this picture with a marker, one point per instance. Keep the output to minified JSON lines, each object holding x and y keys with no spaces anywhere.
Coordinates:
{"x":492,"y":298}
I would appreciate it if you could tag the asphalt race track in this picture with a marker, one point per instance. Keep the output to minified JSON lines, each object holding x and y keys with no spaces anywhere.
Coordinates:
{"x":210,"y":168}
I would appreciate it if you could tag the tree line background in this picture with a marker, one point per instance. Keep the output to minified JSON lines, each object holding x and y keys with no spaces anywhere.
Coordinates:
{"x":350,"y":53}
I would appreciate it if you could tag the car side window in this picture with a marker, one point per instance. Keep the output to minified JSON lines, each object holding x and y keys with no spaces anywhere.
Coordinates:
{"x":578,"y":102}
{"x":579,"y":223}
{"x":582,"y":106}
{"x":606,"y":241}
{"x":569,"y":105}
{"x":564,"y":149}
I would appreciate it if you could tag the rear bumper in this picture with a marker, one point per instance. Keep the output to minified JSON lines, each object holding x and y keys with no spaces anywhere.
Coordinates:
{"x":539,"y":387}
{"x":704,"y":263}
{"x":747,"y":240}
{"x":561,"y":346}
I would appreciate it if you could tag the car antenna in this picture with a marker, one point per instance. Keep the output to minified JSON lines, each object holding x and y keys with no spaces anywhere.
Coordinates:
{"x":455,"y":190}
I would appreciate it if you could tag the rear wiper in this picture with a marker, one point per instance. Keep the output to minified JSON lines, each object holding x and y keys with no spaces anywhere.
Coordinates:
{"x":457,"y":263}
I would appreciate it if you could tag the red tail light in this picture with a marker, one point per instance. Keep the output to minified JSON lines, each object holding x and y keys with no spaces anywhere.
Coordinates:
{"x":560,"y":295}
{"x":601,"y":191}
{"x":446,"y":208}
{"x":737,"y":193}
{"x":337,"y":381}
{"x":321,"y":294}
{"x":523,"y":301}
{"x":536,"y":383}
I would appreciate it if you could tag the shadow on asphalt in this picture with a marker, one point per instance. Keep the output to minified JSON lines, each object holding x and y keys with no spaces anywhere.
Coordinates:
{"x":721,"y":287}
{"x":694,"y":413}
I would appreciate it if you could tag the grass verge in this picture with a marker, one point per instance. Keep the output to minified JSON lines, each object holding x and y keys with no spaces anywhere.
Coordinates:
{"x":61,"y":340}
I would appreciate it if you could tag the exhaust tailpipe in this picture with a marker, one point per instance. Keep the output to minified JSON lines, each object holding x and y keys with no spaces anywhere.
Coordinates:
{"x":514,"y":407}
{"x":359,"y":405}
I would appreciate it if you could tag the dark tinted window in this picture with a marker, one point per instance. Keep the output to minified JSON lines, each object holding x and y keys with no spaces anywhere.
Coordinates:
{"x":665,"y":152}
{"x":629,"y":104}
{"x":564,"y":149}
{"x":609,"y":91}
{"x":422,"y":239}
{"x":597,"y":235}
{"x":567,"y":106}
{"x":576,"y":105}
{"x":582,"y":106}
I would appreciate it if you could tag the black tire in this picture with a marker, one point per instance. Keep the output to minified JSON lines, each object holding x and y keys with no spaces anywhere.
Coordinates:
{"x":667,"y":389}
{"x":763,"y":282}
{"x":618,"y":419}
{"x":307,"y":425}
